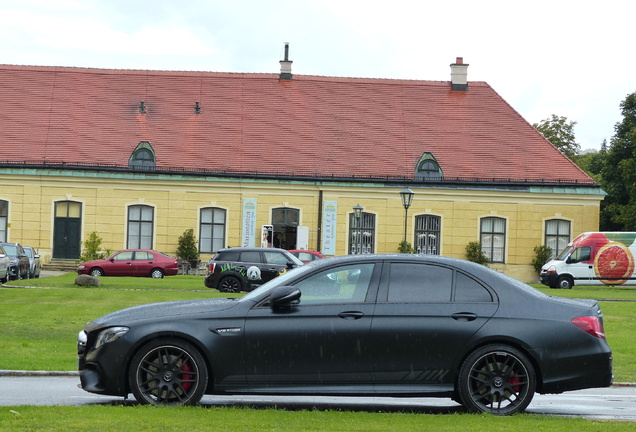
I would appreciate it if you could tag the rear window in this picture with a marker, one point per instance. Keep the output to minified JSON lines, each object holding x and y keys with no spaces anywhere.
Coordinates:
{"x":250,"y":257}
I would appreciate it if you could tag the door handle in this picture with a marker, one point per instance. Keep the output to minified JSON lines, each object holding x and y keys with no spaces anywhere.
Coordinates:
{"x":464,"y":316}
{"x":351,"y":315}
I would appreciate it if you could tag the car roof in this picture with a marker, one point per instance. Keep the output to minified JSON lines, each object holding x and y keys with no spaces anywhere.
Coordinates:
{"x":252,"y":249}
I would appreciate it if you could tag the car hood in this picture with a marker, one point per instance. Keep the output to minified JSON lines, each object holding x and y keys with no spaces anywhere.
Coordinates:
{"x":163,"y":310}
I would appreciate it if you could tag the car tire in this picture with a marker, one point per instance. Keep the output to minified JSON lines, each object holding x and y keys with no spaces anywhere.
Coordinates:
{"x":230,"y":284}
{"x":96,"y":272}
{"x":496,"y":379}
{"x":168,"y":372}
{"x":564,"y":282}
{"x":156,"y":273}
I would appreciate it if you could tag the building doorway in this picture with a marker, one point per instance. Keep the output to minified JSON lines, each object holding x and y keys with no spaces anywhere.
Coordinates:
{"x":285,"y":223}
{"x":67,"y":230}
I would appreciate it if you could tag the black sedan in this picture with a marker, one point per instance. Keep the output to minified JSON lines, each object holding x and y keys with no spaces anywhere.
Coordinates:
{"x":367,"y":325}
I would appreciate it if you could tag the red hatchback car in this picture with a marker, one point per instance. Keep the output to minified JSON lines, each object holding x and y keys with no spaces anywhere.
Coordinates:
{"x":306,"y":256}
{"x":132,"y":262}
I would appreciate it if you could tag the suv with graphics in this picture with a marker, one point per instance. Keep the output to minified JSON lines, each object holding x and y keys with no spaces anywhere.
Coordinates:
{"x":243,"y":269}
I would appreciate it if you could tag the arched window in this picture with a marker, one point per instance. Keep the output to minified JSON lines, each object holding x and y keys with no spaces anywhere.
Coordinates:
{"x":427,"y":234}
{"x":143,"y":157}
{"x":493,"y":238}
{"x":4,"y":216}
{"x":140,"y":227}
{"x":428,"y":168}
{"x":212,"y":230}
{"x":557,"y":235}
{"x":361,"y":233}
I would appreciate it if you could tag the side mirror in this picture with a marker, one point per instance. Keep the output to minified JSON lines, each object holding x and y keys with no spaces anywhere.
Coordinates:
{"x":283,"y":296}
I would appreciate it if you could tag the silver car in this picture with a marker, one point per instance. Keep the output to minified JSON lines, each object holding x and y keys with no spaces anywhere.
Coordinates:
{"x":34,"y":262}
{"x":4,"y":265}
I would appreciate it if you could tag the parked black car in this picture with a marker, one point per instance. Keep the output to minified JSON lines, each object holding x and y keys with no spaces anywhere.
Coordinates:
{"x":243,"y":269}
{"x":365,"y":325}
{"x":19,"y":261}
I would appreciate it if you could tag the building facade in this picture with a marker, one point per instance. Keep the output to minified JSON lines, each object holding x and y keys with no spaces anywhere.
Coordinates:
{"x":141,"y":156}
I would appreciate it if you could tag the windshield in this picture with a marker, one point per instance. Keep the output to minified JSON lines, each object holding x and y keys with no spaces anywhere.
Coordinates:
{"x":277,"y":281}
{"x":11,"y":250}
{"x":566,"y":252}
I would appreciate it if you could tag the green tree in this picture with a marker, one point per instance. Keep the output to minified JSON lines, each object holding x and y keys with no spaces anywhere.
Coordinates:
{"x":618,"y":209}
{"x":560,"y":132}
{"x":187,"y":249}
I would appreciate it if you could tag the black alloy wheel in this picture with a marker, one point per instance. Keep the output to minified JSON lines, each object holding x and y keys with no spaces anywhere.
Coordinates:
{"x":230,"y":284}
{"x":168,"y":372}
{"x":496,"y":379}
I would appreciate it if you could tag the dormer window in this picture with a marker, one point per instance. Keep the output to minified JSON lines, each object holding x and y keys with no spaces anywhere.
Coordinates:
{"x":143,"y":157}
{"x":428,"y":168}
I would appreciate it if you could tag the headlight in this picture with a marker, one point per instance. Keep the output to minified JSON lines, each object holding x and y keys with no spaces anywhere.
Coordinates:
{"x":81,"y":266}
{"x":109,"y":335}
{"x":82,"y":338}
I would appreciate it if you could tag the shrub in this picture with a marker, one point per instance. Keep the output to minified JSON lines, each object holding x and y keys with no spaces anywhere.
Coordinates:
{"x":188,"y":249}
{"x":543,"y":254}
{"x":475,"y":254}
{"x":92,"y":248}
{"x":405,"y":247}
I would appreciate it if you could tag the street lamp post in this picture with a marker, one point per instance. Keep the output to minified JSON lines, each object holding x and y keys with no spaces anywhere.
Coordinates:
{"x":357,"y":215}
{"x":407,"y":199}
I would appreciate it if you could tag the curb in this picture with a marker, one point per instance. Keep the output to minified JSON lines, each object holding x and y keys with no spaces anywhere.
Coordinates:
{"x":24,"y":373}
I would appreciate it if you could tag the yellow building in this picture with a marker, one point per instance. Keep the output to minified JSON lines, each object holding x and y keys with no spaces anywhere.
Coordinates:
{"x":141,"y":156}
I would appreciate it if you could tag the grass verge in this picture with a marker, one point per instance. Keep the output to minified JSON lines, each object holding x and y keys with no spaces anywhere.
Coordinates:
{"x":194,"y":419}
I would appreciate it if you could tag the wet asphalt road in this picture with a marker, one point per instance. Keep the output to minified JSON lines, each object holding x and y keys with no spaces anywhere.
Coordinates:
{"x":613,"y":403}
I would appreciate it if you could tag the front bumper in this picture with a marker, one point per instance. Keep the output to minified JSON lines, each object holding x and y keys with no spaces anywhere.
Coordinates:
{"x":549,"y":279}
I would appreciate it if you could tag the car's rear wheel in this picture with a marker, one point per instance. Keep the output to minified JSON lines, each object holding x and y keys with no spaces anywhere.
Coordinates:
{"x":156,"y":273}
{"x":496,"y":379}
{"x":97,"y":272}
{"x":168,"y":372}
{"x":230,"y":284}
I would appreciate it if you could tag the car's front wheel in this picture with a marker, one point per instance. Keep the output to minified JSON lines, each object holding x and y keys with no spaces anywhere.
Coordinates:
{"x":564,"y":282}
{"x":168,"y":372}
{"x":230,"y":284}
{"x":496,"y":379}
{"x":97,"y":272}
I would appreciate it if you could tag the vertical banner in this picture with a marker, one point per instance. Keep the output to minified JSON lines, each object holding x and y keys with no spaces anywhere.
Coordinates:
{"x":248,"y":235}
{"x":330,"y":210}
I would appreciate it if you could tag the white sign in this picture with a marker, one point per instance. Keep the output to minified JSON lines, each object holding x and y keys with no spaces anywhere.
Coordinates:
{"x":248,"y":234}
{"x":329,"y":213}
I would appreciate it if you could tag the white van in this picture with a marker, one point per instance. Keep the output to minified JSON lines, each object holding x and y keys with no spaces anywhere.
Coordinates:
{"x":593,"y":258}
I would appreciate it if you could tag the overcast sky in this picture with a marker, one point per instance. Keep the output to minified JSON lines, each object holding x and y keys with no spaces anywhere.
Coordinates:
{"x":569,"y":58}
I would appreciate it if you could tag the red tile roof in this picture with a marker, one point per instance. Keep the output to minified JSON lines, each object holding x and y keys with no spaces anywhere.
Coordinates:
{"x":256,"y":122}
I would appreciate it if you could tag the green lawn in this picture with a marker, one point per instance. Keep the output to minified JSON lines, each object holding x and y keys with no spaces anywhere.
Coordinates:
{"x":39,"y":329}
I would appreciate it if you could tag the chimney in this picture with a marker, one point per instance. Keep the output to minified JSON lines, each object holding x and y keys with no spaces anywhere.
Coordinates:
{"x":285,"y":65}
{"x":459,"y":75}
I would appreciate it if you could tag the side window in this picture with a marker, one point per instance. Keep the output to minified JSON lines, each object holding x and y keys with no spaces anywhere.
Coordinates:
{"x":344,"y":284}
{"x":142,"y":256}
{"x":275,"y":258}
{"x":468,"y":290}
{"x":419,"y":283}
{"x":228,"y":256}
{"x":580,"y":254}
{"x":124,"y":256}
{"x":250,"y":257}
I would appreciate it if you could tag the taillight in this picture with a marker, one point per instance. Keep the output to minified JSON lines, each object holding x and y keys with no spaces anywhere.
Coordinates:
{"x":212,"y":266}
{"x":591,"y":325}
